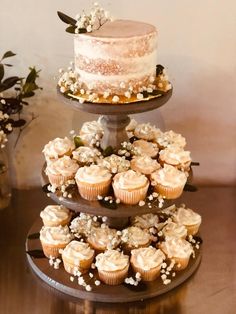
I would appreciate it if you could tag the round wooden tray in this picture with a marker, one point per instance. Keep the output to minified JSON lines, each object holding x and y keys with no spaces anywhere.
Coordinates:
{"x":60,"y":279}
{"x":115,"y":109}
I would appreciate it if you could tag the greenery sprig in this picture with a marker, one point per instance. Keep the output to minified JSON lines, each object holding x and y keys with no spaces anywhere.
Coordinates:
{"x":12,"y":103}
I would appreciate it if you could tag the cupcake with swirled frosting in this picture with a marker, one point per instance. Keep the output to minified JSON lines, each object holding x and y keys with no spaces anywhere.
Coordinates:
{"x":86,"y":155}
{"x":144,"y":148}
{"x":175,"y":156}
{"x":77,"y":256}
{"x":169,"y":181}
{"x":130,"y":187}
{"x":145,"y":221}
{"x":53,"y":239}
{"x":83,"y":224}
{"x":172,"y":229}
{"x":91,"y":132}
{"x":93,"y":181}
{"x":55,"y":215}
{"x":57,"y":148}
{"x":177,"y":250}
{"x":114,"y":163}
{"x":146,"y":131}
{"x":147,"y":261}
{"x":144,"y":164}
{"x":170,"y":138}
{"x":112,"y":267}
{"x":103,"y":238}
{"x":134,"y":237}
{"x":61,"y":170}
{"x":189,"y":219}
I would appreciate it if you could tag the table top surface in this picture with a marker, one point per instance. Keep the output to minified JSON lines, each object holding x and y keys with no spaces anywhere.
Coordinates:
{"x":212,"y":289}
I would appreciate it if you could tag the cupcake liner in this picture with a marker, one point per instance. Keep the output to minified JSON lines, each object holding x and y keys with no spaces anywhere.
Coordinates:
{"x":131,"y":197}
{"x":51,"y":250}
{"x":113,"y":277}
{"x":169,"y":192}
{"x":147,"y":275}
{"x":58,"y":179}
{"x":90,"y":192}
{"x":192,"y":229}
{"x":83,"y":266}
{"x":180,"y":262}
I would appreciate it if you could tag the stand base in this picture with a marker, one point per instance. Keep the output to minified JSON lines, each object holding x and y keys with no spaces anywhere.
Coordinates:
{"x":60,"y":279}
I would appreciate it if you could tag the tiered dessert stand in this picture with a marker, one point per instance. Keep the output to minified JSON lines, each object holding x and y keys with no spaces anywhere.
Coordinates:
{"x":115,"y":119}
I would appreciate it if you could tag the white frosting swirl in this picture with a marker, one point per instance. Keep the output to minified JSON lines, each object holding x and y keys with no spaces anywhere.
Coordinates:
{"x":176,"y":247}
{"x":55,"y":235}
{"x":145,"y":221}
{"x":130,"y":180}
{"x":105,"y":238}
{"x":78,"y":251}
{"x":93,"y":174}
{"x":174,"y":230}
{"x":174,"y":155}
{"x":91,"y":127}
{"x":145,"y":131}
{"x":114,"y":163}
{"x":147,"y":258}
{"x":58,"y":147}
{"x":55,"y":213}
{"x":144,"y":164}
{"x":187,"y":217}
{"x":169,"y":176}
{"x":84,"y":154}
{"x":111,"y":260}
{"x":135,"y":236}
{"x":142,"y":147}
{"x":170,"y":138}
{"x":64,"y":166}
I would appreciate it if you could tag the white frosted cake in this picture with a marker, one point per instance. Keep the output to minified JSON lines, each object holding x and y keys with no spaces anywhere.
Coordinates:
{"x":119,"y":56}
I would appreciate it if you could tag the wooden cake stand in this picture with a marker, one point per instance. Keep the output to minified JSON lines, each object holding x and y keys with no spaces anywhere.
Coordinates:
{"x":115,"y":119}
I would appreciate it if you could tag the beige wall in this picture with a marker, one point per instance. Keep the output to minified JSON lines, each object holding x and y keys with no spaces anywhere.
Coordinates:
{"x":197,"y":44}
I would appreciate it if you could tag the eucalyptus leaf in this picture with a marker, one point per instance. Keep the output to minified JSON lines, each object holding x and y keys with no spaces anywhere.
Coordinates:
{"x":19,"y":123}
{"x":8,"y":83}
{"x":66,"y":19}
{"x":108,"y":205}
{"x":8,"y":65}
{"x":82,"y":30}
{"x":8,"y":54}
{"x":1,"y":71}
{"x":108,"y":151}
{"x":78,"y":141}
{"x":159,"y":69}
{"x":31,"y":76}
{"x":71,"y":29}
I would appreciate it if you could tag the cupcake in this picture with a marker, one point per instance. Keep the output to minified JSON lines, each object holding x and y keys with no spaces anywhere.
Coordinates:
{"x":55,"y":215}
{"x":93,"y":181}
{"x":147,"y":261}
{"x":145,"y":221}
{"x":188,"y":218}
{"x":146,"y":131}
{"x":86,"y":155}
{"x":175,"y":156}
{"x":142,"y":147}
{"x":134,"y":237}
{"x":77,"y":256}
{"x":53,"y":239}
{"x":168,"y":181}
{"x":83,"y":224}
{"x":114,"y":163}
{"x":172,"y":229}
{"x":112,"y":267}
{"x":177,"y":250}
{"x":170,"y":138}
{"x":130,"y":187}
{"x":91,"y":132}
{"x":61,"y":170}
{"x":103,"y":238}
{"x":57,"y":148}
{"x":144,"y":164}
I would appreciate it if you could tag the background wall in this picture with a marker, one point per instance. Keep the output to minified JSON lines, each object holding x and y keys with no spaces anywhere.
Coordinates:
{"x":197,"y":44}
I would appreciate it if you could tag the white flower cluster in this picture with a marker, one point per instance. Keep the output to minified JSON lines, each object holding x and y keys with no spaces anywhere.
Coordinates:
{"x":3,"y":139}
{"x":69,"y":81}
{"x":92,"y":21}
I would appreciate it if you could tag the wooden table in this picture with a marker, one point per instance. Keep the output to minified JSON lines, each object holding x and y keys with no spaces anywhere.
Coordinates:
{"x":212,"y":289}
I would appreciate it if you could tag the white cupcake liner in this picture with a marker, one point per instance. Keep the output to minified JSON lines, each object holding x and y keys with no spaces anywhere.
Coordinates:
{"x":130,"y":197}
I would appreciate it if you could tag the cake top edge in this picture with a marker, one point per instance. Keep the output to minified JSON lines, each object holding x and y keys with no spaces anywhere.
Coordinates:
{"x":122,"y":29}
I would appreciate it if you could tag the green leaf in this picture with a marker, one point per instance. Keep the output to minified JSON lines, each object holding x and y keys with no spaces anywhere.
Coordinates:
{"x":9,"y":82}
{"x":82,"y":30}
{"x":66,"y":19}
{"x":108,"y":151}
{"x":1,"y":72}
{"x":8,"y":54}
{"x":71,"y":29}
{"x":32,"y":76}
{"x":159,"y":69}
{"x":78,"y":141}
{"x":108,"y":205}
{"x":8,"y":65}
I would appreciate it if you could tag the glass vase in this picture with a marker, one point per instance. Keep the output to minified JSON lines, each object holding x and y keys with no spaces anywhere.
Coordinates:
{"x":5,"y":186}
